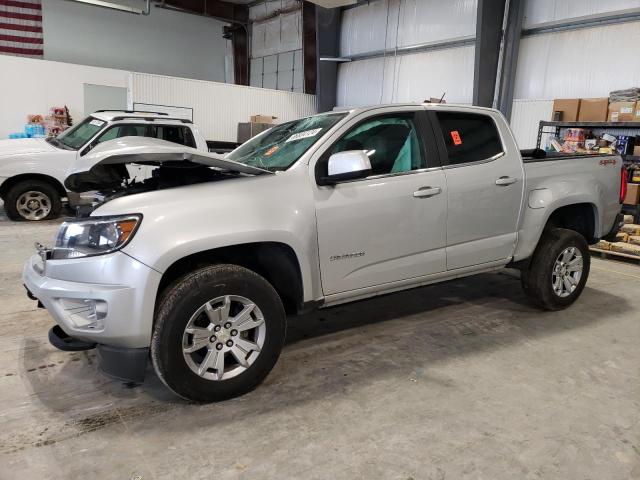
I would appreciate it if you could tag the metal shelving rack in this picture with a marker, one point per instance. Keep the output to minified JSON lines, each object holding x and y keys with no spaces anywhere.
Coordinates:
{"x":557,"y":126}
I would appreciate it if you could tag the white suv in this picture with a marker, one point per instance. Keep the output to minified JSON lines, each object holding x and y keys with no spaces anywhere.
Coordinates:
{"x":33,"y":170}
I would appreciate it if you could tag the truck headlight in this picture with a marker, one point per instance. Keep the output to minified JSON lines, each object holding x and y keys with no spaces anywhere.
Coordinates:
{"x":94,"y":236}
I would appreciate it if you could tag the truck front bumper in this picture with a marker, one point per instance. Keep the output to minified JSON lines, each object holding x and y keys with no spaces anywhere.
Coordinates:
{"x":106,"y":300}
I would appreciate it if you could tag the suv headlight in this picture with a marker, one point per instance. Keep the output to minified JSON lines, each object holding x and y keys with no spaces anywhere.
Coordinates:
{"x":94,"y":236}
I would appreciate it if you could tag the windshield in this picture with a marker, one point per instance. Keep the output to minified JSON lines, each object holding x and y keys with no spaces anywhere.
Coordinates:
{"x":281,"y":146}
{"x":78,"y":135}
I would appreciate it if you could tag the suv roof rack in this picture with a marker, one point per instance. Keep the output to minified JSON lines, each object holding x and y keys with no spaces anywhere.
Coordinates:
{"x":149,"y":119}
{"x":131,"y":111}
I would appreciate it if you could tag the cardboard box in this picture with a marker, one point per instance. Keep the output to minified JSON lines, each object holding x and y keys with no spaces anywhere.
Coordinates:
{"x":636,"y":150}
{"x":593,"y":110}
{"x":622,"y":111}
{"x":262,"y":119}
{"x":632,"y":198}
{"x":569,"y":108}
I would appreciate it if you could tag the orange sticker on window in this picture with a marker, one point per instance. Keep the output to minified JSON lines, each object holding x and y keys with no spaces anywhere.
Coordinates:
{"x":455,"y":135}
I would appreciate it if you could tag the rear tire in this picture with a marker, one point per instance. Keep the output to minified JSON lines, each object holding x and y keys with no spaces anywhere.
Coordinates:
{"x":200,"y":318}
{"x":558,"y":271}
{"x":32,"y":200}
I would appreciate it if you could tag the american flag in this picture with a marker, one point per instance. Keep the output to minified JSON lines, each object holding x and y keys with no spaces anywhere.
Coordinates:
{"x":21,"y":28}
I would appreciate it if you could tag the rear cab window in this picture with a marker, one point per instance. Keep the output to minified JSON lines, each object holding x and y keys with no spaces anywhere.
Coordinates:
{"x":469,"y":137}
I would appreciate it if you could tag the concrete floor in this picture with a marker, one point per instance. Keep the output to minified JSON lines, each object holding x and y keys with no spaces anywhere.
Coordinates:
{"x":459,"y":380}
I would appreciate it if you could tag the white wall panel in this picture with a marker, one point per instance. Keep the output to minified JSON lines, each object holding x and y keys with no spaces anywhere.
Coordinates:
{"x":408,"y":78}
{"x":525,"y":118}
{"x":29,"y":86}
{"x":577,"y":64}
{"x":365,"y":28}
{"x":542,"y":11}
{"x":218,"y":107}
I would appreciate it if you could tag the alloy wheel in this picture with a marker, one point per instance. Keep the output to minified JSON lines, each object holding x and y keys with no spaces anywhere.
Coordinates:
{"x":567,"y":271}
{"x":224,"y":337}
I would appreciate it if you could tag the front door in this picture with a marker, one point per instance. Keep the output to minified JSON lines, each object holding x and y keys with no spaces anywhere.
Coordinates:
{"x":390,"y":226}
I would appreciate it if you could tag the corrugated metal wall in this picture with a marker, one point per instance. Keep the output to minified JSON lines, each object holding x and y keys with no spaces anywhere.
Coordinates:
{"x":577,"y":64}
{"x":542,"y":11}
{"x":387,"y":24}
{"x":408,"y":78}
{"x":276,"y":46}
{"x":218,"y":107}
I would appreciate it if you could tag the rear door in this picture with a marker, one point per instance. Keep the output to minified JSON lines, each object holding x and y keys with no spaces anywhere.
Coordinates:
{"x":389,"y":226}
{"x":484,"y":187}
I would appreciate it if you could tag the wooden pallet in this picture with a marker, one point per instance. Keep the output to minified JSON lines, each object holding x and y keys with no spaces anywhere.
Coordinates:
{"x":608,"y":253}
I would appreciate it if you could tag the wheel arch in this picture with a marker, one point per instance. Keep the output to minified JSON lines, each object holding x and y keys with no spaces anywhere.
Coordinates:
{"x":580,"y":217}
{"x":11,"y":181}
{"x":276,"y":262}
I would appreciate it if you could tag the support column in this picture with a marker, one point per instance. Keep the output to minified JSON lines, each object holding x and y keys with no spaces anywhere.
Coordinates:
{"x":510,"y":49}
{"x":490,"y":16}
{"x":328,"y":35}
{"x":309,"y":47}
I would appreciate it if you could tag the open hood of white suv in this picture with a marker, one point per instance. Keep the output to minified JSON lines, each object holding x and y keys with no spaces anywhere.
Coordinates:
{"x":104,"y":165}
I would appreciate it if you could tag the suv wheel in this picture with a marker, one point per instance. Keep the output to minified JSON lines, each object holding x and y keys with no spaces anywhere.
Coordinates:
{"x":218,"y":333}
{"x":559,"y":269}
{"x":32,"y":200}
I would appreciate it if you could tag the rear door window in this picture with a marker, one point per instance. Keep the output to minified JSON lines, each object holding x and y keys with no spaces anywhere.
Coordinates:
{"x":469,"y":137}
{"x":174,"y":133}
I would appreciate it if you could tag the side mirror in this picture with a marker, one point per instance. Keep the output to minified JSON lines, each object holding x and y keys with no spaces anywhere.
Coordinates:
{"x":349,"y":165}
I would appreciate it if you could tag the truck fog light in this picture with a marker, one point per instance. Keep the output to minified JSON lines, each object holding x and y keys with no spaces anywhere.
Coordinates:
{"x":85,"y":312}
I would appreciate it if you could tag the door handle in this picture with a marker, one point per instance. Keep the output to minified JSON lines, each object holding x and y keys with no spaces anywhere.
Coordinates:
{"x":504,"y":181}
{"x":426,"y":192}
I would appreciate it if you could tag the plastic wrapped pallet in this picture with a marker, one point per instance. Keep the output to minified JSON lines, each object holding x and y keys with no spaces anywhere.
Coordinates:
{"x":630,"y":228}
{"x":634,"y":239}
{"x":628,"y":219}
{"x":627,"y":95}
{"x":627,"y":248}
{"x":622,"y":237}
{"x":603,"y":245}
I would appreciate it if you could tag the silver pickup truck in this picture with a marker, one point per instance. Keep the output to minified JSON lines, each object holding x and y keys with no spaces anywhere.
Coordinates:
{"x":198,"y":266}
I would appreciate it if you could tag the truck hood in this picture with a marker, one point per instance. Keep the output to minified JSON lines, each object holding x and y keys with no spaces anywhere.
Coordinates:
{"x":24,"y":146}
{"x":105,"y":164}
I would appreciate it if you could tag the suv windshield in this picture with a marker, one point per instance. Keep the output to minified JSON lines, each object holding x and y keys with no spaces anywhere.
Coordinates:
{"x":78,"y":135}
{"x":281,"y":146}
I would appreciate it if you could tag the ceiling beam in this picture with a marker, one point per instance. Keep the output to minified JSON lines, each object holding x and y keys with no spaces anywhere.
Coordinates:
{"x":218,"y":9}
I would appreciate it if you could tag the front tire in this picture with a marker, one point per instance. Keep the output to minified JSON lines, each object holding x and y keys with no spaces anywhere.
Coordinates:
{"x":32,"y":200}
{"x":218,"y":333}
{"x":559,"y":269}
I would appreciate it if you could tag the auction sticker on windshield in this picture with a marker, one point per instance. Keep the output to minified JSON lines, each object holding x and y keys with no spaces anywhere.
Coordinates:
{"x":96,"y":123}
{"x":305,"y":134}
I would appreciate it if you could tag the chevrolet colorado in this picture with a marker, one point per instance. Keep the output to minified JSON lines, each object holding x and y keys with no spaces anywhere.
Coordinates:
{"x":199,"y":266}
{"x":32,"y":170}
